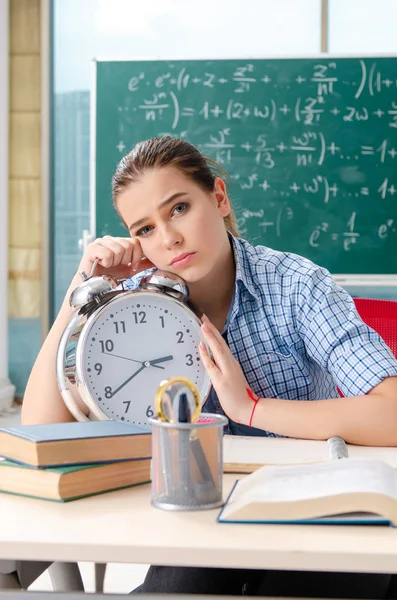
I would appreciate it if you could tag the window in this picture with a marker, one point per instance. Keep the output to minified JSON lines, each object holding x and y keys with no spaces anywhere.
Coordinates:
{"x":362,"y":26}
{"x":122,"y":29}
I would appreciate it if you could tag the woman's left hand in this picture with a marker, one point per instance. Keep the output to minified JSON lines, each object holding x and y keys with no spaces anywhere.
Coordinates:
{"x":228,"y":379}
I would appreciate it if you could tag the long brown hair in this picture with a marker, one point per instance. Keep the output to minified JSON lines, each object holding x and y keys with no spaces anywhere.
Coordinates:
{"x":166,"y":151}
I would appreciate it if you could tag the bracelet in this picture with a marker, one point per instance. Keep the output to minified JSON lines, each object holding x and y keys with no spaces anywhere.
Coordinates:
{"x":255,"y":399}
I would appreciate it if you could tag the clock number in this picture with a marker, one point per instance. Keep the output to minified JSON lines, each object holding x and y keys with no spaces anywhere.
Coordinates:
{"x":108,"y":392}
{"x":162,"y":321}
{"x":140,"y":317}
{"x":98,"y":368}
{"x":180,"y":337}
{"x":108,"y":345}
{"x":120,"y":326}
{"x":149,"y":412}
{"x":189,"y":360}
{"x":127,"y":408}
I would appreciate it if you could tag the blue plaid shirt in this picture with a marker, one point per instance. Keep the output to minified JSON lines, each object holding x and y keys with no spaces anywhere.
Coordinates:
{"x":296,"y":333}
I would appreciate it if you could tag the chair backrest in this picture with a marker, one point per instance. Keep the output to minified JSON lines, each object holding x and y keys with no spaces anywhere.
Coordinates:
{"x":380,"y":315}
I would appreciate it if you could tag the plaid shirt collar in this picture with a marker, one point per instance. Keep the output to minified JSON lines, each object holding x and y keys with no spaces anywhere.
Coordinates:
{"x":244,"y":265}
{"x":244,"y":275}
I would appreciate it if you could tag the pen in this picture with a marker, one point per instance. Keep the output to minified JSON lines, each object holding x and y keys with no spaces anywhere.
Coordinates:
{"x":184,"y":416}
{"x":197,"y":449}
{"x":201,"y":459}
{"x":337,"y":448}
{"x":164,"y":447}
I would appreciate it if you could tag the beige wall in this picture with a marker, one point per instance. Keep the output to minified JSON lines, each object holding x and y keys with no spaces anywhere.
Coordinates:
{"x":25,"y":160}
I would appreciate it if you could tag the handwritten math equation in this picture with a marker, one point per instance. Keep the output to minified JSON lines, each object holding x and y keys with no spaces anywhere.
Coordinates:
{"x":321,"y":234}
{"x":164,"y":100}
{"x":292,"y":140}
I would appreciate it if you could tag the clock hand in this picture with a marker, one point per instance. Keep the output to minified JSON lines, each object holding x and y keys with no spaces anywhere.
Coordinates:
{"x":143,"y":366}
{"x":125,"y":357}
{"x":154,"y":363}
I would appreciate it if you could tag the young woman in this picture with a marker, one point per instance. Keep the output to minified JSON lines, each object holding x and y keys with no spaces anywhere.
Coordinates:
{"x":283,"y":335}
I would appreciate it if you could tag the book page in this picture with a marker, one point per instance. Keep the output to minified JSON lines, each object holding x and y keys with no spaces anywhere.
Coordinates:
{"x":292,"y":483}
{"x":387,"y":455}
{"x":272,"y":451}
{"x":351,"y":516}
{"x":286,"y":451}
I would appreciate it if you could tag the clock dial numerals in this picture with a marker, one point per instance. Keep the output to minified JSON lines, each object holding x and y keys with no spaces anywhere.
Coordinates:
{"x":106,"y":346}
{"x":119,"y":327}
{"x":139,"y":317}
{"x":134,"y":343}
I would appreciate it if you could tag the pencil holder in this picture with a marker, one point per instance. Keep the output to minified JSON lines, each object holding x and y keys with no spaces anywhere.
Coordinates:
{"x":187,"y":463}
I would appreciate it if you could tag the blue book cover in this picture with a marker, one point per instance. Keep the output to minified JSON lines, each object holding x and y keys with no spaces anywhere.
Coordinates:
{"x":75,"y":430}
{"x":64,"y":483}
{"x":75,"y":443}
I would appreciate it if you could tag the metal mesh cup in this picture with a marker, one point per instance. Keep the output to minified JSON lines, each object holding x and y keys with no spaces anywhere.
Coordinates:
{"x":187,"y":463}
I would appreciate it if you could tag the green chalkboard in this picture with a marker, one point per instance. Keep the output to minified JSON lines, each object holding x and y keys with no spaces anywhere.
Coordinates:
{"x":310,"y":146}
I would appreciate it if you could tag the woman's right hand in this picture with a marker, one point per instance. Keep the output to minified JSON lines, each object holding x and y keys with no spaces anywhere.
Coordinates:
{"x":119,"y":257}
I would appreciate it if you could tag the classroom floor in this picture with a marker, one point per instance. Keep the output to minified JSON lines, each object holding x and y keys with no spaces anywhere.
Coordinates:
{"x":119,"y":578}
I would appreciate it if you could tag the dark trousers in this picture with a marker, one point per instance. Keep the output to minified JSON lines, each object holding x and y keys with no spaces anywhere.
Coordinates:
{"x":238,"y":582}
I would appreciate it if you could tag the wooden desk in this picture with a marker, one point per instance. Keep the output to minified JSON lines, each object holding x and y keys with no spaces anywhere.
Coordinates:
{"x":123,"y":527}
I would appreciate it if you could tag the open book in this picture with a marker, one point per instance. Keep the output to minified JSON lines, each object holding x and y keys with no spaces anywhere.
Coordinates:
{"x":245,"y":454}
{"x":338,"y":491}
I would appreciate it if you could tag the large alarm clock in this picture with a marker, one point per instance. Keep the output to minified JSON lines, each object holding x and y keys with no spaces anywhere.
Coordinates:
{"x":121,"y":344}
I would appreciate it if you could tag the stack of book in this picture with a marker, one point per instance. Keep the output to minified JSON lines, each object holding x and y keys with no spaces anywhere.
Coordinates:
{"x":67,"y":461}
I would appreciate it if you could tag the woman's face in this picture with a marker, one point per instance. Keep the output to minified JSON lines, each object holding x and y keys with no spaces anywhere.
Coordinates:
{"x":180,"y":226}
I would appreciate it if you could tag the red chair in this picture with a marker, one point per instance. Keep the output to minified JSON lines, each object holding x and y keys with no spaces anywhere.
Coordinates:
{"x":380,"y":315}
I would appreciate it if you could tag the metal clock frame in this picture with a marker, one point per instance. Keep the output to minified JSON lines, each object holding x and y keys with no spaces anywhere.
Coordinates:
{"x":71,"y":371}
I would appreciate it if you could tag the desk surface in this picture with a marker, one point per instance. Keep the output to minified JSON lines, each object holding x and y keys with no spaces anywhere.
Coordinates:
{"x":122,"y":526}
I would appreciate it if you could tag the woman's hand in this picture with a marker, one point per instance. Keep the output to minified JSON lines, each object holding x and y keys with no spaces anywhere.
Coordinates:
{"x":228,"y":379}
{"x":119,"y":257}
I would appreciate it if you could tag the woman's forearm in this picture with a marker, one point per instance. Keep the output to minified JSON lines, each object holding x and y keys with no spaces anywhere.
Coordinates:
{"x":42,"y":402}
{"x":369,"y":420}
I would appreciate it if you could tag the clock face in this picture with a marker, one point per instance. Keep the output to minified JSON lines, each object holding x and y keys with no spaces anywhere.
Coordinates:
{"x":130,"y":346}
